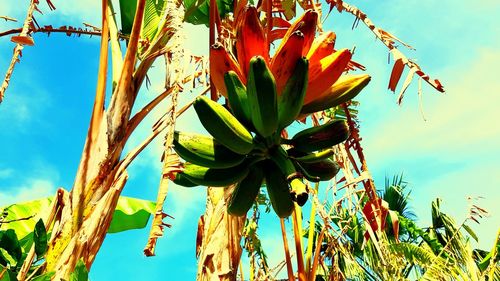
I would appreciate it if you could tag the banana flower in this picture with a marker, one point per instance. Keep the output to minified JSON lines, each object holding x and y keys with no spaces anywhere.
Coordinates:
{"x":326,"y":65}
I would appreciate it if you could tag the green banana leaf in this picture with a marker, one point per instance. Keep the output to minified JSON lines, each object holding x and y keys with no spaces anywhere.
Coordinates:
{"x":10,"y":249}
{"x":80,"y":273}
{"x":153,"y":14}
{"x":197,"y":11}
{"x":130,"y":213}
{"x":40,"y":238}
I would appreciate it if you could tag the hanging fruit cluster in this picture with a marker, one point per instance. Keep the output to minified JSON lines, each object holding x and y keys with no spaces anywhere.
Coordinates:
{"x":266,"y":95}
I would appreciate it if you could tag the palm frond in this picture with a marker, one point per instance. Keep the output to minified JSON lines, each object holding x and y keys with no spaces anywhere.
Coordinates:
{"x":397,"y":195}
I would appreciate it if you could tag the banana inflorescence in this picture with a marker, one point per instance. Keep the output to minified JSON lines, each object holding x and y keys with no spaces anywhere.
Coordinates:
{"x":265,"y":95}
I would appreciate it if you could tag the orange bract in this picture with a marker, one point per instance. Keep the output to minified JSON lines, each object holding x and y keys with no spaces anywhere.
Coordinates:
{"x":283,"y":63}
{"x":251,"y":40}
{"x":322,"y":46}
{"x":325,"y":64}
{"x":221,"y":62}
{"x":326,"y":72}
{"x":307,"y":25}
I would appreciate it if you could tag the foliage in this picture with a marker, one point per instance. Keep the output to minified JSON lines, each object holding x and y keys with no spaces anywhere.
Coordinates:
{"x":345,"y":250}
{"x":80,"y":273}
{"x":130,"y":213}
{"x":13,"y":252}
{"x":197,"y":11}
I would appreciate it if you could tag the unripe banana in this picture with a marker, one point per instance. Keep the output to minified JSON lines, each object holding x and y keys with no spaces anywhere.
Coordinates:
{"x":321,"y":137}
{"x":223,"y":126}
{"x":262,"y":97}
{"x":245,"y":192}
{"x":278,"y":190}
{"x":291,"y":100}
{"x":323,"y":170}
{"x":314,"y":156}
{"x":214,"y":177}
{"x":344,"y":90}
{"x":238,"y":99}
{"x":299,"y":190}
{"x":180,"y":179}
{"x":205,"y":151}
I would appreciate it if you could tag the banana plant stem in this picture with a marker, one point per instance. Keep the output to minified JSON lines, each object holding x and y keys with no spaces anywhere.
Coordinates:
{"x":310,"y":237}
{"x":288,"y":260}
{"x":297,"y":232}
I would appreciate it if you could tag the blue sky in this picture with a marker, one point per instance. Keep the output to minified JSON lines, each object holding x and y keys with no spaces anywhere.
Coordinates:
{"x":451,"y":155}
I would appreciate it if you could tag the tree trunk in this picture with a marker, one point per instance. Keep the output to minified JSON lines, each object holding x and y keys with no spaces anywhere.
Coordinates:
{"x":85,"y":216}
{"x":219,"y":236}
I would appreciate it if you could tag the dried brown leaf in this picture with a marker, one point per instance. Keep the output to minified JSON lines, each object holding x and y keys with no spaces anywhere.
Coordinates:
{"x":397,"y":70}
{"x":23,"y":40}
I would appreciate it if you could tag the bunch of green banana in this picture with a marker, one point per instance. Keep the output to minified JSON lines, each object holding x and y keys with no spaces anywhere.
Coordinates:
{"x":246,"y":148}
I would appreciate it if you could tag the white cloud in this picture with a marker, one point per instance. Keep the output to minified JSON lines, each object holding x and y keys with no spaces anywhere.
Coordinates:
{"x":454,"y":188}
{"x":32,"y":189}
{"x":460,"y":124}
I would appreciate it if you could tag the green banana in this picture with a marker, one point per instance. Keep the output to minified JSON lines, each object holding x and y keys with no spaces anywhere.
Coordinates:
{"x":262,"y":97}
{"x":314,"y":156}
{"x":205,"y":151}
{"x":223,"y":126}
{"x":345,"y":89}
{"x":323,"y":170}
{"x":321,"y":137}
{"x":299,"y":190}
{"x":280,"y":157}
{"x":278,"y":190}
{"x":245,"y":192}
{"x":180,"y":179}
{"x":291,"y":100}
{"x":238,"y":100}
{"x":214,"y":177}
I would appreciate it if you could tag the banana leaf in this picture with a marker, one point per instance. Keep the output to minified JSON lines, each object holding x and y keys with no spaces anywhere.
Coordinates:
{"x":197,"y":11}
{"x":130,"y":213}
{"x":153,"y":13}
{"x":80,"y":273}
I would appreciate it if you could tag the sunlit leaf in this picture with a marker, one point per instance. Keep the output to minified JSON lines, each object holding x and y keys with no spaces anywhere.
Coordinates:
{"x":23,"y":216}
{"x":153,"y":13}
{"x":130,"y":213}
{"x":6,"y":258}
{"x":471,"y":232}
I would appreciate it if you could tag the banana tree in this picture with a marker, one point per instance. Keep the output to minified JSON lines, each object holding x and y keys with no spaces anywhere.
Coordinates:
{"x":151,"y":29}
{"x":83,"y":216}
